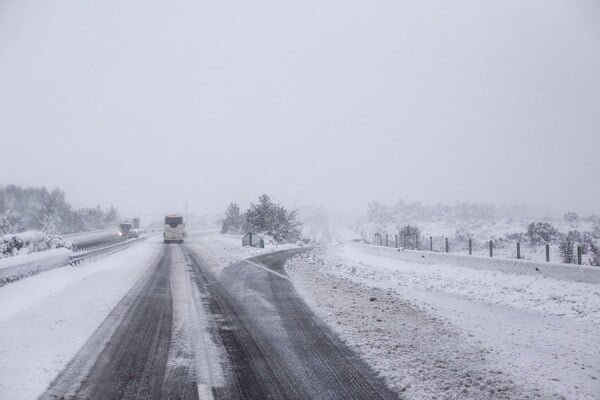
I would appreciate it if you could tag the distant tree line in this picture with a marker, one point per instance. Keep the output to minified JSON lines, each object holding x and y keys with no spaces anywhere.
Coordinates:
{"x":35,"y":208}
{"x":263,"y":217}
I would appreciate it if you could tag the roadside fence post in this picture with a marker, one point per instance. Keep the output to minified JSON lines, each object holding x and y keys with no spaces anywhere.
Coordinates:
{"x":491,"y":248}
{"x":447,"y":246}
{"x":386,"y":240}
{"x":430,"y":243}
{"x":403,"y":241}
{"x":547,"y":253}
{"x":470,"y":247}
{"x":250,"y":239}
{"x":417,"y":242}
{"x":579,"y":253}
{"x":396,"y":241}
{"x":518,"y":250}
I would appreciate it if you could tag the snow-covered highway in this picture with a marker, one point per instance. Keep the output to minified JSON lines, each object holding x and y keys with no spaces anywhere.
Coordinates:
{"x":159,"y":321}
{"x":212,"y":319}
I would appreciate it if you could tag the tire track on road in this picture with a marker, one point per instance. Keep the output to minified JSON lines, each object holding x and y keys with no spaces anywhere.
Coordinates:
{"x":135,"y":340}
{"x":251,"y":375}
{"x":276,"y":348}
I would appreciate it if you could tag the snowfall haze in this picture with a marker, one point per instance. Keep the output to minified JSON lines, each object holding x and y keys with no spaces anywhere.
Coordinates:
{"x":147,"y":105}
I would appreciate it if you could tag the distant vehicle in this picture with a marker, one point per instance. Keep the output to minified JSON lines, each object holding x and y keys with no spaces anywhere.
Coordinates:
{"x":135,"y":233}
{"x":124,"y":229}
{"x":174,"y":230}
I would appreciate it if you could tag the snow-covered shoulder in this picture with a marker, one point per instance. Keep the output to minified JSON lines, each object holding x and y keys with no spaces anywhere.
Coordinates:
{"x":456,"y":332}
{"x":45,"y":319}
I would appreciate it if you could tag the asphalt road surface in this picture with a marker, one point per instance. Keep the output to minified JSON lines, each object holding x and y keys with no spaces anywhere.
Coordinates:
{"x":270,"y":343}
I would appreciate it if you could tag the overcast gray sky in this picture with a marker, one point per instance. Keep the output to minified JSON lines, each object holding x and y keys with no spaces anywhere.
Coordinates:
{"x":148,"y":104}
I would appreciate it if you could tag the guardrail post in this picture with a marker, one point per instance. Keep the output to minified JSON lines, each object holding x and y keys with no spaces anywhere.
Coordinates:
{"x":447,"y":245}
{"x":518,"y":250}
{"x":547,"y":253}
{"x":470,"y":247}
{"x":430,"y":243}
{"x":579,"y":253}
{"x":491,"y":248}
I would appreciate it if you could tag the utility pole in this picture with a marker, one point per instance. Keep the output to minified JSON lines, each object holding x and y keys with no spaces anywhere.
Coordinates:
{"x":185,"y":214}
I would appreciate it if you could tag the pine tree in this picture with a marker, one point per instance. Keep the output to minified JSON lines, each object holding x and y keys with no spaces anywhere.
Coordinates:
{"x":233,"y":220}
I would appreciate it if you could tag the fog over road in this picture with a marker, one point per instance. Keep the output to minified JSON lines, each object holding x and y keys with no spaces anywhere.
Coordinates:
{"x":183,"y":332}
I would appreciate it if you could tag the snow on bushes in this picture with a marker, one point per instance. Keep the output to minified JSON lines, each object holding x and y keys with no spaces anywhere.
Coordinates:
{"x":30,"y":242}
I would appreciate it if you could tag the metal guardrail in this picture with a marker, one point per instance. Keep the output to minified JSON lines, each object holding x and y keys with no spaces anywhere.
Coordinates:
{"x":98,"y":252}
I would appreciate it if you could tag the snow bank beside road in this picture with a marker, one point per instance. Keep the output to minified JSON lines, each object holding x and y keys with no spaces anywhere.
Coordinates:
{"x":15,"y":268}
{"x":420,"y":355}
{"x":543,"y":332}
{"x":16,"y":244}
{"x":526,"y":292}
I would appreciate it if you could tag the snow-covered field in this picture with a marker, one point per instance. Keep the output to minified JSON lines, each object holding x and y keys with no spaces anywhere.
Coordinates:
{"x":45,"y":319}
{"x":455,"y":332}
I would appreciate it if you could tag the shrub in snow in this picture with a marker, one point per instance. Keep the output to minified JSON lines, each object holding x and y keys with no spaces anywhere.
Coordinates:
{"x":410,"y":236}
{"x":594,"y":255}
{"x":273,"y":220}
{"x":462,"y":235}
{"x":233,"y":222}
{"x":30,"y":242}
{"x":541,"y":232}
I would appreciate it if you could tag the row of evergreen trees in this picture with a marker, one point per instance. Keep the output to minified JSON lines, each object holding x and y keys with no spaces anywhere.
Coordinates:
{"x":38,"y":209}
{"x":264,"y":217}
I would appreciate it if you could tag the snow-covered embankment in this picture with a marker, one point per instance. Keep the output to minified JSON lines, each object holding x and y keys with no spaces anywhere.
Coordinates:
{"x":19,"y":267}
{"x":458,"y":332}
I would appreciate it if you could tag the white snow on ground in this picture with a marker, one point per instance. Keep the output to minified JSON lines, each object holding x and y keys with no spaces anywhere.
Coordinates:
{"x":18,"y":244}
{"x":444,"y":331}
{"x":12,"y":262}
{"x":220,"y":251}
{"x":46,"y":319}
{"x":526,"y":292}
